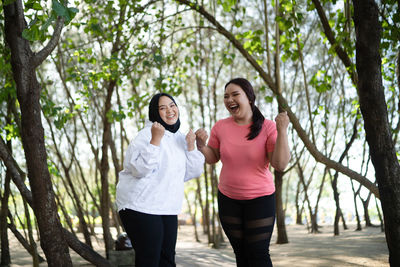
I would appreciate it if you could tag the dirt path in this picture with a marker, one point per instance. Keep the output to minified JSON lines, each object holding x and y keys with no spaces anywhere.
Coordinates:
{"x":365,"y":248}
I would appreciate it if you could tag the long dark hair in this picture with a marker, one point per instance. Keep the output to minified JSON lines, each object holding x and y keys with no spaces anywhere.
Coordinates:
{"x":258,"y":117}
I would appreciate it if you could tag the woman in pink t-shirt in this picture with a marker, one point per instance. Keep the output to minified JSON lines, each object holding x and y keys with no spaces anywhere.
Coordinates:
{"x":246,"y":143}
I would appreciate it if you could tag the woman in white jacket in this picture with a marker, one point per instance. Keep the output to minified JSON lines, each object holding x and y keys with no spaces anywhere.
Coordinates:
{"x":150,"y":187}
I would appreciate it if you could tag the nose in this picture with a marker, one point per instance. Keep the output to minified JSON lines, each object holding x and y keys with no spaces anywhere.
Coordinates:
{"x":169,"y":110}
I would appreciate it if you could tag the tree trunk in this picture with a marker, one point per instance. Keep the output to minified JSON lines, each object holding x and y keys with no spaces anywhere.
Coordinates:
{"x":359,"y":228}
{"x":299,"y":210}
{"x":17,"y":176}
{"x":367,"y":218}
{"x":5,"y":249}
{"x":32,"y":243}
{"x":374,"y":111}
{"x":280,"y":215}
{"x":24,"y":62}
{"x":104,"y":168}
{"x":68,"y":179}
{"x":337,"y":203}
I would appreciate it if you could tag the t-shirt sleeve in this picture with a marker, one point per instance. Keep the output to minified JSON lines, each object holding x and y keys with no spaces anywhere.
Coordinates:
{"x":271,"y":136}
{"x":214,"y":140}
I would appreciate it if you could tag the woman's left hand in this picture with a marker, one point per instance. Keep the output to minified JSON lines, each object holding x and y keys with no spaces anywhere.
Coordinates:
{"x":282,"y":121}
{"x":190,"y":138}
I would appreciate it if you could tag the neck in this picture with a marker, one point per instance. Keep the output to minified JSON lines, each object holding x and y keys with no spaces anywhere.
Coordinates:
{"x":244,"y":120}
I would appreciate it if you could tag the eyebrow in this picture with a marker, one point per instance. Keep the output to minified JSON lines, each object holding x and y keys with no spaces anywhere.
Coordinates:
{"x":236,"y":91}
{"x":172,"y":102}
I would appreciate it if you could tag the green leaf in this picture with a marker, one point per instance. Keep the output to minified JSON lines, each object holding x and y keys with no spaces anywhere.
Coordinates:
{"x":158,"y":58}
{"x":67,"y":13}
{"x":269,"y":99}
{"x":31,"y":34}
{"x":60,"y":10}
{"x":12,"y":131}
{"x":238,"y":23}
{"x":37,"y":6}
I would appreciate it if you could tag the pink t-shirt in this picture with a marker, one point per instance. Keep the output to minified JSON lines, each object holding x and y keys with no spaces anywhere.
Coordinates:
{"x":244,"y":173}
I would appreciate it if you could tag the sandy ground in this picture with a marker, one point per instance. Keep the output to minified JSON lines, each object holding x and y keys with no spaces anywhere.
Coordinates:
{"x":352,"y":248}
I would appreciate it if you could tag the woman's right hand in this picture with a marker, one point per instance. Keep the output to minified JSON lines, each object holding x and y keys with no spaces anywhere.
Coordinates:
{"x":157,"y":133}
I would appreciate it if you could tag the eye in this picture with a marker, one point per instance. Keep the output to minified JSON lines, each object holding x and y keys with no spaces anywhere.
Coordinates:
{"x":161,"y":108}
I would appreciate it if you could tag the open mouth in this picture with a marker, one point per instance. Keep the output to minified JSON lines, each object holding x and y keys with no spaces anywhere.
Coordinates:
{"x":171,"y":117}
{"x":233,"y":107}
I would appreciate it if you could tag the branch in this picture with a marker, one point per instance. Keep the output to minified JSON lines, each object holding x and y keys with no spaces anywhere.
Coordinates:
{"x":233,"y":40}
{"x":332,"y":40}
{"x":321,"y":157}
{"x":22,"y":239}
{"x":84,"y":250}
{"x":283,"y":103}
{"x":46,"y":51}
{"x":17,"y":175}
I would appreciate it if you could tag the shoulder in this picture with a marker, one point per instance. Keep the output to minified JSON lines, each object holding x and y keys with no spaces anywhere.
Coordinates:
{"x":144,"y":133}
{"x":268,"y":122}
{"x":269,"y":125}
{"x":224,"y":122}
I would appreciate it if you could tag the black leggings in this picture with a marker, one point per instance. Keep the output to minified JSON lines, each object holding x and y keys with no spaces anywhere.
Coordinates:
{"x":153,"y":237}
{"x":248,"y":224}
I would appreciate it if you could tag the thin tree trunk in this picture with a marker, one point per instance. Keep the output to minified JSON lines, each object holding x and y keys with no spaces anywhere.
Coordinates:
{"x":359,"y":228}
{"x":192,"y":215}
{"x":299,"y":210}
{"x":367,"y":218}
{"x":23,"y":241}
{"x":379,"y":215}
{"x":104,"y":168}
{"x":67,"y":218}
{"x":5,"y":249}
{"x":32,"y":243}
{"x":75,"y":197}
{"x":282,"y":237}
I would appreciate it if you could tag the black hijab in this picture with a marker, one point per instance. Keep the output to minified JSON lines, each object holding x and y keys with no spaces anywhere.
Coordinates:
{"x":154,"y":114}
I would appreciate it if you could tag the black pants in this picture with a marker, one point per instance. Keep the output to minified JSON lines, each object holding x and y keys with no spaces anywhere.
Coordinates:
{"x":248,"y":224}
{"x":153,"y":237}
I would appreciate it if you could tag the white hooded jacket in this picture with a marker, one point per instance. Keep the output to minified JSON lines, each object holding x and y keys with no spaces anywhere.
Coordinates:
{"x":153,"y":177}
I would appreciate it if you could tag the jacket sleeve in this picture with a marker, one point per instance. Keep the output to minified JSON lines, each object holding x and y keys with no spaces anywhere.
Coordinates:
{"x":142,"y":158}
{"x":194,"y":164}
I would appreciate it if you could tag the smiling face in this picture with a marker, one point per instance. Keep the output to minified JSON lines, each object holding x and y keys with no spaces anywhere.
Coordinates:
{"x":169,"y":112}
{"x":237,"y":103}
